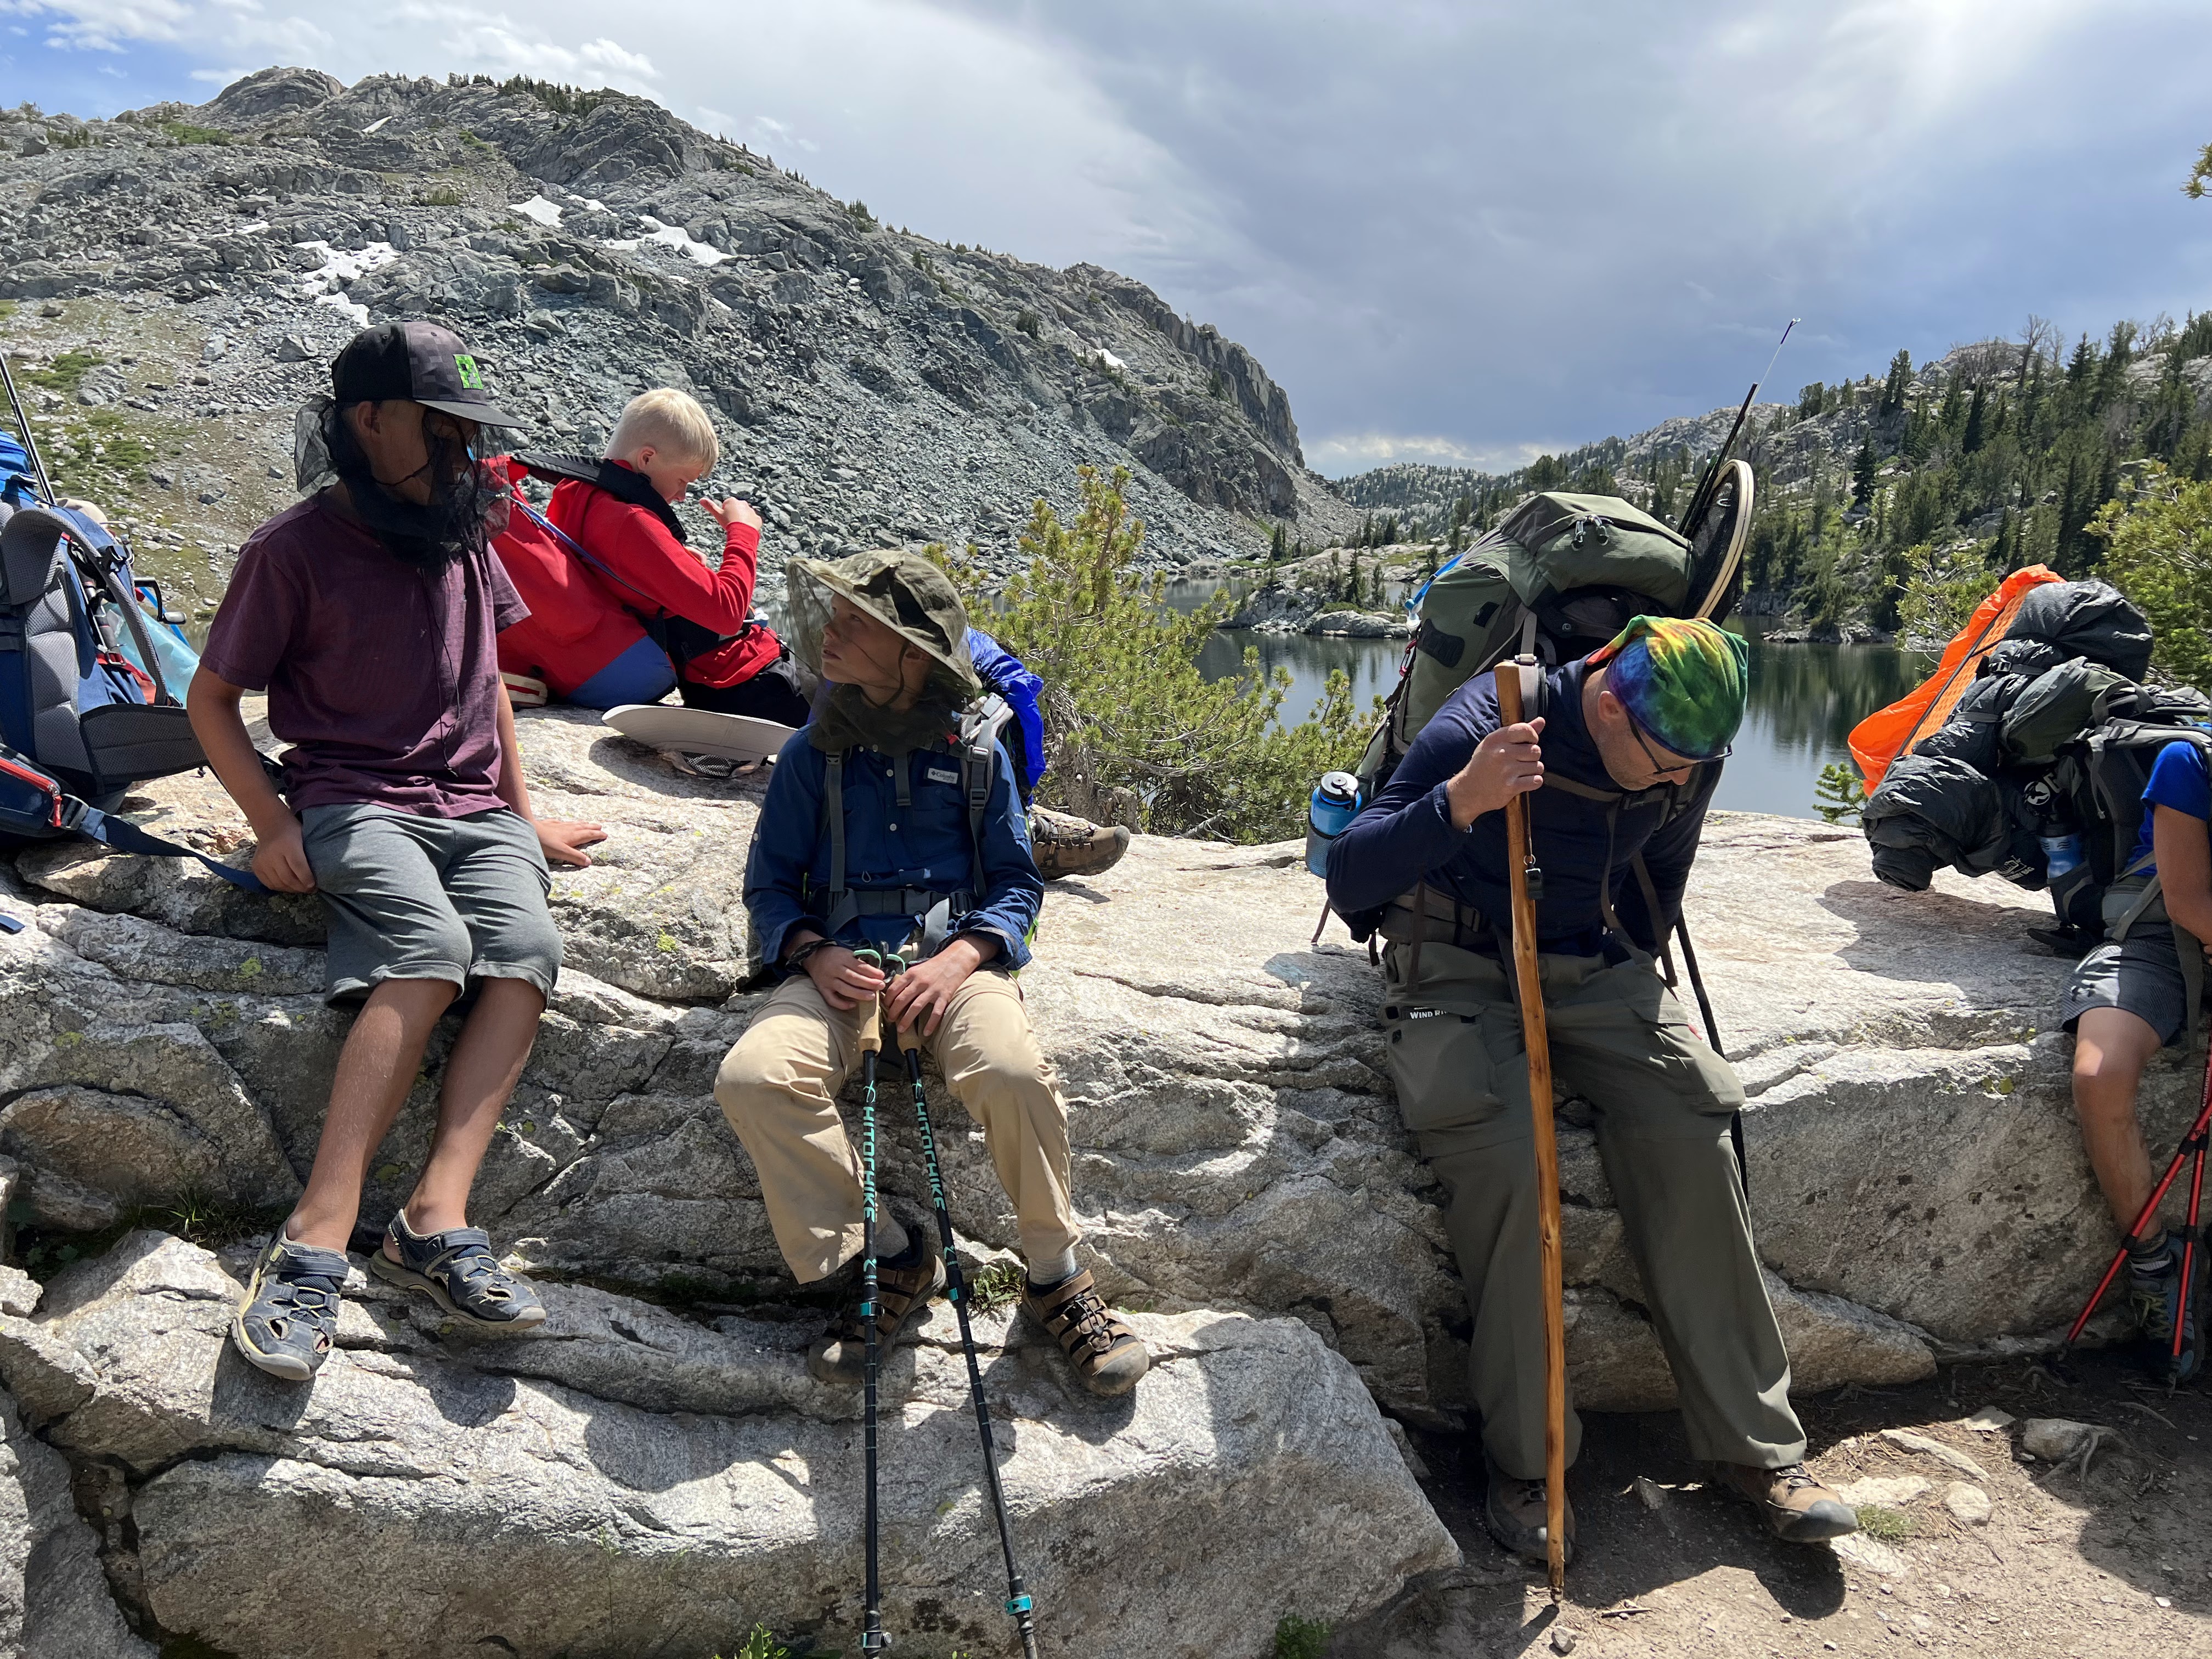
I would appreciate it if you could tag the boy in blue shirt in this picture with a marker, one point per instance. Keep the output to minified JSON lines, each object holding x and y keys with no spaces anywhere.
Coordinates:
{"x":865,"y":840}
{"x":2132,"y":997}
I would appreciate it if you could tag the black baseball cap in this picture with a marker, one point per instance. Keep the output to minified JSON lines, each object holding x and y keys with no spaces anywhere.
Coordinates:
{"x":419,"y":361}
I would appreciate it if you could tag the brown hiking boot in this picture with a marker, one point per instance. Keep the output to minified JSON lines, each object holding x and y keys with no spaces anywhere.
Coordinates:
{"x":840,"y":1354}
{"x":1065,"y":845}
{"x":1798,"y":1508}
{"x":1516,"y":1514}
{"x":1108,"y":1356}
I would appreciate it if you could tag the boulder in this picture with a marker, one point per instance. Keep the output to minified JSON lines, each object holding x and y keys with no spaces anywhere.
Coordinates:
{"x":1915,"y":1176}
{"x":628,"y":1481}
{"x":1359,"y":624}
{"x":54,"y":1598}
{"x":271,"y":91}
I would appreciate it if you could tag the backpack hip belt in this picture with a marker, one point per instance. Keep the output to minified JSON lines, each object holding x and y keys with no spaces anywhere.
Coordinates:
{"x":895,"y":901}
{"x":1424,"y":915}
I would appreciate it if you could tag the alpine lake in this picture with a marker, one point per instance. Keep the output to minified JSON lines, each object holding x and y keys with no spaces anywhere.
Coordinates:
{"x":1805,"y":699}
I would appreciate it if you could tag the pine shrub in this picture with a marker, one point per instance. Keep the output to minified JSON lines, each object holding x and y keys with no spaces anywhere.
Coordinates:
{"x":1134,"y":733}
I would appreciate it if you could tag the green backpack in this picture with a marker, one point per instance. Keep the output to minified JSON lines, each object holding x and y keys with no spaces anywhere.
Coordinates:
{"x":1580,"y":565}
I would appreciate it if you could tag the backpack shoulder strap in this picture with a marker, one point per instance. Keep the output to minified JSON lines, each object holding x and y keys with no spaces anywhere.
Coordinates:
{"x":980,"y":730}
{"x":832,"y":818}
{"x":125,"y":837}
{"x":589,"y":562}
{"x":43,"y":805}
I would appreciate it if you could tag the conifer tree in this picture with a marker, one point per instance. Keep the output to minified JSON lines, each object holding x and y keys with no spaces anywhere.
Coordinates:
{"x":1893,"y":389}
{"x":1862,"y":474}
{"x":1131,"y":715}
{"x":1919,"y":433}
{"x":1977,"y":414}
{"x":1951,"y":413}
{"x":2081,"y":367}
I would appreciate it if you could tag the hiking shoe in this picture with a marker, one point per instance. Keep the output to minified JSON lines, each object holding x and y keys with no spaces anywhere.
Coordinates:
{"x":904,"y":1285}
{"x":289,"y":1312}
{"x":457,"y":1270}
{"x":1108,"y":1356}
{"x":1065,"y":845}
{"x":1798,"y":1508}
{"x":2154,"y":1296}
{"x":1514,"y":1512}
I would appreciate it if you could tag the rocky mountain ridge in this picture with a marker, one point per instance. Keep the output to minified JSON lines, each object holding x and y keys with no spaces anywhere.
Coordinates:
{"x":183,"y":273}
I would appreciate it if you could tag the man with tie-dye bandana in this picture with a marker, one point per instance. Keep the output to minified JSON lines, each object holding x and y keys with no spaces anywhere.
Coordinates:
{"x":1620,"y":755}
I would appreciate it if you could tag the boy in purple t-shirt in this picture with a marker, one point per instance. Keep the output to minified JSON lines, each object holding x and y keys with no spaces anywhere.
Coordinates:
{"x":370,"y":613}
{"x":2128,"y":1000}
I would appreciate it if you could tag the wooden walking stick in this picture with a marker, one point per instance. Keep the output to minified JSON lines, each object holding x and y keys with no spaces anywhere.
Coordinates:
{"x":1516,"y":680}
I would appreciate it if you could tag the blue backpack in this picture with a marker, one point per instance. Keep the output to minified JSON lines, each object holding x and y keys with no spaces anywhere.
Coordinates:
{"x":1005,"y":674}
{"x":87,"y":703}
{"x":17,"y":487}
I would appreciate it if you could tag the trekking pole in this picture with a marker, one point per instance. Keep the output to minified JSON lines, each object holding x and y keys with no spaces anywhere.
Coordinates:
{"x":1713,"y":1042}
{"x":873,"y":1639}
{"x":30,"y":443}
{"x":1019,"y":1605}
{"x":1709,"y":482}
{"x":1515,"y":683}
{"x":2192,"y":1148}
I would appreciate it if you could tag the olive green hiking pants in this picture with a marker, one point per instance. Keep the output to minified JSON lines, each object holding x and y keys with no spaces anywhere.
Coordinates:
{"x":1621,"y":1041}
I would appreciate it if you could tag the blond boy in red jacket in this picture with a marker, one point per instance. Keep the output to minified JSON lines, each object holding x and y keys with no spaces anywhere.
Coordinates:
{"x":622,"y":609}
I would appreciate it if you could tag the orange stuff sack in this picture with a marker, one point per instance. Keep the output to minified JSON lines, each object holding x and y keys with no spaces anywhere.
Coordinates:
{"x":1886,"y":733}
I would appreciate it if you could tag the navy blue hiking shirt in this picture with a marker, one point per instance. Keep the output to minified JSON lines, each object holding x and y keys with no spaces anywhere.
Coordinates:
{"x":1405,"y":836}
{"x":927,"y":844}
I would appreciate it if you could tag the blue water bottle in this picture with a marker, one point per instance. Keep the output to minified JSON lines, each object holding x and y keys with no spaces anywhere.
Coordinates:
{"x":1335,"y":802}
{"x":2060,"y":854}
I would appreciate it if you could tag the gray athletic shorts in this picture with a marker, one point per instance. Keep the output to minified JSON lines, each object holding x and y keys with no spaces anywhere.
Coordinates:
{"x":411,"y":896}
{"x":2142,"y":973}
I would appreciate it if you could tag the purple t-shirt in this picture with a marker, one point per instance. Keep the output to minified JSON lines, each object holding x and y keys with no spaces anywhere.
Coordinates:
{"x":384,"y":678}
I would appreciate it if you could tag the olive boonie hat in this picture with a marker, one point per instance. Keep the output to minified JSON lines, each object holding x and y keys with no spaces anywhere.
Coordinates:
{"x":903,"y":591}
{"x":419,"y":361}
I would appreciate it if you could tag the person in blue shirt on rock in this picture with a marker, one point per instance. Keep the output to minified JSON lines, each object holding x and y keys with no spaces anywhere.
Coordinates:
{"x":2129,"y":998}
{"x":1619,"y":762}
{"x":867,"y":841}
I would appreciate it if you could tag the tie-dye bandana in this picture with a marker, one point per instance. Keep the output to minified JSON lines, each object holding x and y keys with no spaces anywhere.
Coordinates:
{"x":1683,"y":682}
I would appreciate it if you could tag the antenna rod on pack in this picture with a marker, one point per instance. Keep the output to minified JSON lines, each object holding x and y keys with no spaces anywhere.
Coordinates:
{"x":1701,"y":501}
{"x":30,"y":443}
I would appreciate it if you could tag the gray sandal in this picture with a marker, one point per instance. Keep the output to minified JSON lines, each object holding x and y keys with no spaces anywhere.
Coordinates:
{"x":457,"y":1270}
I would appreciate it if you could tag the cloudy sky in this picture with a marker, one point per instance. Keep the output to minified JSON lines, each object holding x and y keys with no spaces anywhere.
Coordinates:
{"x":1455,"y":232}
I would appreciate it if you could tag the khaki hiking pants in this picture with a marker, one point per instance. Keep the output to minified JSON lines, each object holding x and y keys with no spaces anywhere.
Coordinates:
{"x":779,"y":1088}
{"x":1619,"y":1040}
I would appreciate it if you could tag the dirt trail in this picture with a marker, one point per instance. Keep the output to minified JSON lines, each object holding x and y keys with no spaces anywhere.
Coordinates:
{"x":2115,"y":1561}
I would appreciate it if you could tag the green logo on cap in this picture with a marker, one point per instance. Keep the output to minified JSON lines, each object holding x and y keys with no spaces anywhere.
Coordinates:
{"x":472,"y":377}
